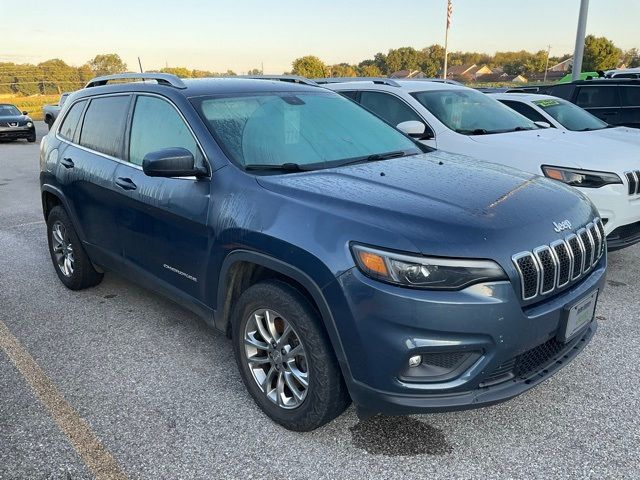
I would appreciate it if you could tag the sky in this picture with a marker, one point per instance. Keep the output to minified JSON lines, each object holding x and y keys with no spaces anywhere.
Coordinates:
{"x":243,"y":34}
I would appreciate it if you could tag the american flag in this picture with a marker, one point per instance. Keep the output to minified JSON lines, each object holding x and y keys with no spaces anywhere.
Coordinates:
{"x":449,"y":12}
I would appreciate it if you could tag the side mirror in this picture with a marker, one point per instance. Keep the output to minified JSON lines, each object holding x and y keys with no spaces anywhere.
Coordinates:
{"x":542,"y":124}
{"x":414,"y":129}
{"x":24,"y":112}
{"x":170,"y":162}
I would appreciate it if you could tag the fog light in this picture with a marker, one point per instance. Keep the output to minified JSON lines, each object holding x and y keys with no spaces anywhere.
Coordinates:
{"x":415,"y":360}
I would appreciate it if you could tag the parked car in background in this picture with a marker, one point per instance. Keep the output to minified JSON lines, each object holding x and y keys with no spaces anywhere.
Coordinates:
{"x":345,"y":260}
{"x":564,"y":115}
{"x":50,"y":112}
{"x":465,"y":121}
{"x":613,"y":100}
{"x":15,"y":124}
{"x":623,"y":73}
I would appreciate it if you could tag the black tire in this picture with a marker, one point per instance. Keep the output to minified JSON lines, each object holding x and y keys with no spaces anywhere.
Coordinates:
{"x":49,"y":122}
{"x":84,"y":275}
{"x":31,"y":139}
{"x":327,"y":395}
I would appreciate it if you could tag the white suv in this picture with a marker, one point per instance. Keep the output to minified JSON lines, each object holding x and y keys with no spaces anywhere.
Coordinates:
{"x":462,"y":120}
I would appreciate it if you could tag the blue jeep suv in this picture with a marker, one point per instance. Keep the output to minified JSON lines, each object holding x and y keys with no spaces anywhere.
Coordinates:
{"x":345,"y":261}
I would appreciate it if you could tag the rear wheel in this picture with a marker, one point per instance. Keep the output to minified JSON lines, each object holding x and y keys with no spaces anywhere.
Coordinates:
{"x":73,"y":266}
{"x":285,"y":358}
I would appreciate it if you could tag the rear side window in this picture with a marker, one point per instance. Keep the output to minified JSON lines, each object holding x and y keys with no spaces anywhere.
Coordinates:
{"x":352,"y":94}
{"x":68,"y":129}
{"x":157,"y":125}
{"x":630,"y":96}
{"x":526,"y":110}
{"x":103,"y":126}
{"x":388,"y":107}
{"x":597,"y":96}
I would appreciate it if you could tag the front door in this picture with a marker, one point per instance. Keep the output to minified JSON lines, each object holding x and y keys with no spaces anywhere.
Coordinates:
{"x":163,"y":221}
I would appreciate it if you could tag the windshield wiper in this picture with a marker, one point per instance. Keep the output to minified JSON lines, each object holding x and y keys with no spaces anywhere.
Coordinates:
{"x":378,"y":156}
{"x":287,"y":167}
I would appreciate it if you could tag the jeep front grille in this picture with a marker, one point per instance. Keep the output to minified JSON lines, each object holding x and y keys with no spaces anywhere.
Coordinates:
{"x":548,"y":268}
{"x":633,"y":178}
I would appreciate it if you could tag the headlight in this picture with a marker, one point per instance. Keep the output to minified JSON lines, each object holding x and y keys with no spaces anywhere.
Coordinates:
{"x":424,"y":272}
{"x":580,"y":178}
{"x":29,"y":124}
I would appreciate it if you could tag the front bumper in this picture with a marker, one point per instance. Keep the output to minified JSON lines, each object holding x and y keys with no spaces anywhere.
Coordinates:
{"x":620,"y":213}
{"x":484,"y":322}
{"x":17,"y":132}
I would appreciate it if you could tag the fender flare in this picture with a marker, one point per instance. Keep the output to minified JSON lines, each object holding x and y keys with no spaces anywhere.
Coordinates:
{"x":55,"y":191}
{"x":288,"y":270}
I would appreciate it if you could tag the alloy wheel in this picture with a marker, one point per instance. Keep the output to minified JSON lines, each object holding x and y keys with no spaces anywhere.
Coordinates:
{"x":62,"y":249}
{"x":276,"y":358}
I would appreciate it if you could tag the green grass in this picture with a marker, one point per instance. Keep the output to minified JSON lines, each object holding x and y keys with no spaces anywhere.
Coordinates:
{"x":31,"y":104}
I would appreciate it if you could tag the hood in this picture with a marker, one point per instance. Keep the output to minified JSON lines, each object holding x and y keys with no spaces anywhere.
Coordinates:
{"x":622,"y":134}
{"x":444,"y":204}
{"x":15,"y":118}
{"x":563,"y":148}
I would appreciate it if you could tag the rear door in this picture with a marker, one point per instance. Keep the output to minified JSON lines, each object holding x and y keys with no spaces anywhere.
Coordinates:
{"x":163,"y":221}
{"x":630,"y":112}
{"x":601,"y":100}
{"x":93,"y":139}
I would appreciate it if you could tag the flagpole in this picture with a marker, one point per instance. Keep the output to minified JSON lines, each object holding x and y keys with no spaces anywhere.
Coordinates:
{"x":446,"y":52}
{"x":446,"y":38}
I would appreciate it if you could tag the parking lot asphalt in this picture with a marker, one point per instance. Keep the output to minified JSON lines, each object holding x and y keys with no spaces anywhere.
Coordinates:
{"x":160,"y":393}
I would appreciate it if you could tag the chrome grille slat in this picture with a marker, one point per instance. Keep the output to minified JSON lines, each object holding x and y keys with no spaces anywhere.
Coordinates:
{"x":548,"y":268}
{"x":633,"y":178}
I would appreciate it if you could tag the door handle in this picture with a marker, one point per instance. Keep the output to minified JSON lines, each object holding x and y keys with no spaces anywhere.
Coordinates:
{"x":67,"y":163}
{"x":126,"y":183}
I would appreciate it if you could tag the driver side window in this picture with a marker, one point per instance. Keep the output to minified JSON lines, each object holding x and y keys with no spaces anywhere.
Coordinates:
{"x":156,"y":125}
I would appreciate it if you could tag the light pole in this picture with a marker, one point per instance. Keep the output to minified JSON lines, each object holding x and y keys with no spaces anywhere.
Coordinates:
{"x":580,"y":34}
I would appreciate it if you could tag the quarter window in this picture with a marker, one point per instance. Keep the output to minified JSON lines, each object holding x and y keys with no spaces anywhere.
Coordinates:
{"x":103,"y":126}
{"x":156,"y":125}
{"x":70,"y":123}
{"x":597,"y":96}
{"x":388,"y":107}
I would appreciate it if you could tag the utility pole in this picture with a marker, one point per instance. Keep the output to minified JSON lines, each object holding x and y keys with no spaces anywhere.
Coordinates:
{"x":580,"y":34}
{"x":546,"y":66}
{"x":140,"y":64}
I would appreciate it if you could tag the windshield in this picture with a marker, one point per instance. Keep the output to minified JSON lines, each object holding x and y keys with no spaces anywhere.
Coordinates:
{"x":571,"y":116}
{"x":311,"y":130}
{"x":9,"y":111}
{"x":471,"y":112}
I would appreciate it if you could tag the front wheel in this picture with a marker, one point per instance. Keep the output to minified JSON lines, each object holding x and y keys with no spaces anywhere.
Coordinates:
{"x":285,"y":357}
{"x":73,"y":266}
{"x":32,"y":138}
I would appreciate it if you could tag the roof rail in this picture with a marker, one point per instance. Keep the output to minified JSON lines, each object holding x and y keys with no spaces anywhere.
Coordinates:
{"x":162,"y":79}
{"x":378,"y":80}
{"x":437,"y":80}
{"x":280,"y":78}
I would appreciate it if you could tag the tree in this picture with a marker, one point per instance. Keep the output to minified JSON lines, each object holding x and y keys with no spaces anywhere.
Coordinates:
{"x":107,"y":63}
{"x":380,"y":61}
{"x":431,"y":60}
{"x":631,"y":58}
{"x":255,"y":71}
{"x":600,"y":54}
{"x":368,"y":70}
{"x":343,"y":70}
{"x":182,"y":72}
{"x":404,"y":58}
{"x":309,"y":66}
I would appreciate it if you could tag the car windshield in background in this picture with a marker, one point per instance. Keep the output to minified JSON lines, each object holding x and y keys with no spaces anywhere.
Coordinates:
{"x":299,"y":131}
{"x":472,"y":113}
{"x":9,"y":111}
{"x":571,"y":116}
